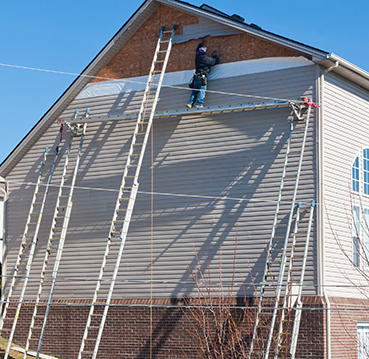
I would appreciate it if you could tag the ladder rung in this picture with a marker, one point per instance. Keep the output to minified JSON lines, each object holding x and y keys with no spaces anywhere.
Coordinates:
{"x":96,"y":315}
{"x":122,"y":210}
{"x":37,"y":328}
{"x":119,"y":221}
{"x":138,"y":144}
{"x":93,"y":327}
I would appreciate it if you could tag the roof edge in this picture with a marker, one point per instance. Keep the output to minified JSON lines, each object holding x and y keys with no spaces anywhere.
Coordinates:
{"x":82,"y":79}
{"x":263,"y":34}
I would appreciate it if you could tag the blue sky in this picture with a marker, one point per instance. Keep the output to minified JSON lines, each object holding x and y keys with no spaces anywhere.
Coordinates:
{"x":66,"y":35}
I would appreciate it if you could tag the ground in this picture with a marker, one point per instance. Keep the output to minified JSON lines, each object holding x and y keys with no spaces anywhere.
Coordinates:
{"x":13,"y":354}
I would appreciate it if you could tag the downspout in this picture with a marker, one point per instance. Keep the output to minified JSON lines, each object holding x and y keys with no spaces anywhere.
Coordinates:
{"x":322,"y":289}
{"x":331,"y":68}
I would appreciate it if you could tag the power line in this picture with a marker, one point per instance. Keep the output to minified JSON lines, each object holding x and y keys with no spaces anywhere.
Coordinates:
{"x":215,"y":198}
{"x":224,"y":283}
{"x":337,"y":308}
{"x":139,"y":82}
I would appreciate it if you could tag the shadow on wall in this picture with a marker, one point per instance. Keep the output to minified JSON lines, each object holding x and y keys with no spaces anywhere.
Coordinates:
{"x":242,"y":182}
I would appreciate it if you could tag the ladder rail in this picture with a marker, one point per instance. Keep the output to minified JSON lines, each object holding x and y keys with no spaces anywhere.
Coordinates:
{"x":266,"y":267}
{"x":49,"y":245}
{"x":62,"y":239}
{"x":288,"y":288}
{"x":283,"y":260}
{"x":296,"y":324}
{"x":132,"y":196}
{"x":31,"y":254}
{"x":21,"y":249}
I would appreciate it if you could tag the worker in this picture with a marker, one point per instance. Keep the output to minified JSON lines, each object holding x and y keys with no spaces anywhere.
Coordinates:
{"x":203,"y":65}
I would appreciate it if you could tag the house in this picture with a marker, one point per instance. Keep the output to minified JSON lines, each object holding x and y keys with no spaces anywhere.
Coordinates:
{"x":209,"y":176}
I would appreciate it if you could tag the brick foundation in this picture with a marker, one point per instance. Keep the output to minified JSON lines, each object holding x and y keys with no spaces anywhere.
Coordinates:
{"x":344,"y":319}
{"x":127,"y":330}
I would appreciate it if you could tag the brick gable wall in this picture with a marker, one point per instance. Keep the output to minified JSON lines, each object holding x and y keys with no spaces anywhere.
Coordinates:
{"x":135,"y":57}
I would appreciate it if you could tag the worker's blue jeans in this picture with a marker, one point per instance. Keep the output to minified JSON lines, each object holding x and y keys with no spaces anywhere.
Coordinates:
{"x":198,"y":93}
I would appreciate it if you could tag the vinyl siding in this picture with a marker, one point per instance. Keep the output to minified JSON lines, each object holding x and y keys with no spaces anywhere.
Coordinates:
{"x":216,"y":178}
{"x":204,"y":26}
{"x":346,"y":129}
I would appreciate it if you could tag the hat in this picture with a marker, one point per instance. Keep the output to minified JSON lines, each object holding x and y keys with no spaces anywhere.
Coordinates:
{"x":202,"y":50}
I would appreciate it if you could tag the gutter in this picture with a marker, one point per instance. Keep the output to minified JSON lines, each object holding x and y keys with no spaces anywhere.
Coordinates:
{"x":343,"y":64}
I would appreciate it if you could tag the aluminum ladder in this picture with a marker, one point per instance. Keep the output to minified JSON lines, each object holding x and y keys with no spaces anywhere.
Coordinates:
{"x":125,"y":201}
{"x":297,"y":265}
{"x":276,"y":258}
{"x":57,"y":235}
{"x":27,"y":248}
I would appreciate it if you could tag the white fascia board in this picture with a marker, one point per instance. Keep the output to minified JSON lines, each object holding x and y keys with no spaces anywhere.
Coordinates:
{"x":317,"y":54}
{"x":348,"y":65}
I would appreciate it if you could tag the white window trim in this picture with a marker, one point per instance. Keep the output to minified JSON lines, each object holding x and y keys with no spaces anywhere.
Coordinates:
{"x":359,"y":154}
{"x":362,"y":333}
{"x":362,"y":233}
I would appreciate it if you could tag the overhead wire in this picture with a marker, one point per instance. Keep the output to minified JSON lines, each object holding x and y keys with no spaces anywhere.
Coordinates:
{"x":166,"y":282}
{"x":167,"y":194}
{"x":142,"y":83}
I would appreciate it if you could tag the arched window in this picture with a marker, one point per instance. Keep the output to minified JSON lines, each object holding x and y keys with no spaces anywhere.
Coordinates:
{"x":355,"y":175}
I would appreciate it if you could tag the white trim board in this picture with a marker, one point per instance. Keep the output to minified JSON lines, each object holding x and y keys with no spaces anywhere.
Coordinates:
{"x":232,"y":69}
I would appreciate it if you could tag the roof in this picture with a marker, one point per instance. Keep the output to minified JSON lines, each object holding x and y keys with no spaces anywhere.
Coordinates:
{"x":320,"y":57}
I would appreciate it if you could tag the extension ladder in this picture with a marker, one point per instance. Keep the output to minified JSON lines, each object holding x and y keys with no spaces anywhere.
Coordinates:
{"x":57,"y":235}
{"x":276,"y":257}
{"x":27,"y":248}
{"x":297,"y":265}
{"x":125,"y":201}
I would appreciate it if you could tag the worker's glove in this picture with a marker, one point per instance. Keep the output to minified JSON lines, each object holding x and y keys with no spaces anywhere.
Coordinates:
{"x":214,"y":53}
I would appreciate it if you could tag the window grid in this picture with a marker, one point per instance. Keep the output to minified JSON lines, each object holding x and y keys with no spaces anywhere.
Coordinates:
{"x":366,"y":170}
{"x":356,"y":235}
{"x":363,"y":340}
{"x":355,"y":175}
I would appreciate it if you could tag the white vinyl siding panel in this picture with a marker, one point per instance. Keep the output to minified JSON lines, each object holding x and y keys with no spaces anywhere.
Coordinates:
{"x":215,"y":177}
{"x":204,"y":26}
{"x":346,"y":129}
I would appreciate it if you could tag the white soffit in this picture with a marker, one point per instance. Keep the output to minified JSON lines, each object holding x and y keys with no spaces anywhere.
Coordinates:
{"x":221,"y":71}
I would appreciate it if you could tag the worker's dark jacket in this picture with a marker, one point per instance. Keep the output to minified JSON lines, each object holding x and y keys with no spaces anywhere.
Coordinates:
{"x":204,"y":63}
